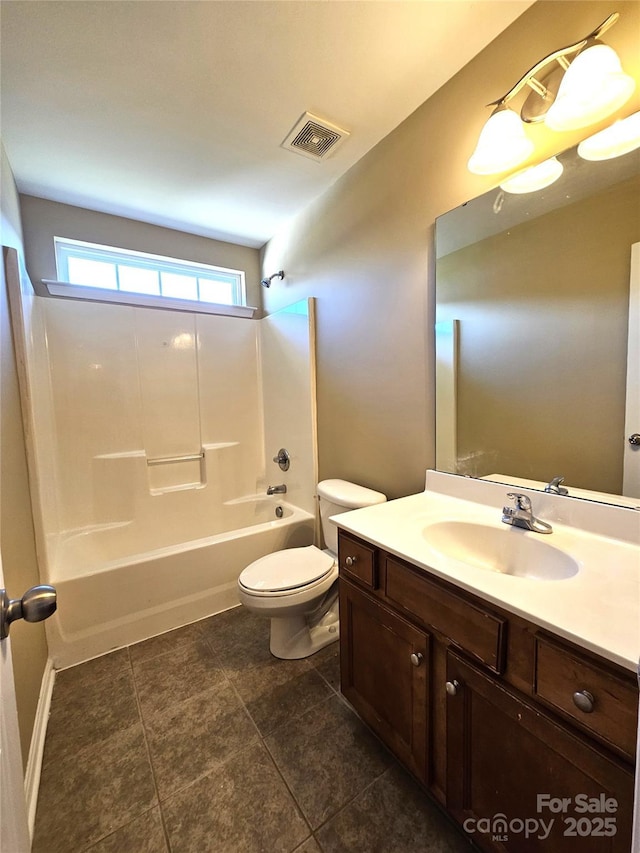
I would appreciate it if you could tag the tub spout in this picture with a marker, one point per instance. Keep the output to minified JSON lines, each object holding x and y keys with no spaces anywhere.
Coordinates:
{"x":277,"y":490}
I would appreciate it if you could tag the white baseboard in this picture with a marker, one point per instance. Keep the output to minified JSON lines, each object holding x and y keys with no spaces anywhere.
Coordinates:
{"x":36,"y":750}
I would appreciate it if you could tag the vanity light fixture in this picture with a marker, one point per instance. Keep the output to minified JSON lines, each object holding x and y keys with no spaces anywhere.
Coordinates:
{"x":502,"y":145}
{"x":535,"y":178}
{"x":572,"y":87}
{"x":593,"y":87}
{"x":620,"y":138}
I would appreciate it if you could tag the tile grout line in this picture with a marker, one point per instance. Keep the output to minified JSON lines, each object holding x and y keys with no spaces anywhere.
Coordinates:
{"x":345,"y":804}
{"x":148,"y":750}
{"x":324,"y":678}
{"x":292,"y":795}
{"x":244,"y":707}
{"x":262,"y":739}
{"x":221,"y":762}
{"x":110,"y":676}
{"x":98,"y":745}
{"x":355,"y":797}
{"x":97,"y":841}
{"x":163,"y":798}
{"x":207,"y":772}
{"x":201,"y":636}
{"x":113,"y":832}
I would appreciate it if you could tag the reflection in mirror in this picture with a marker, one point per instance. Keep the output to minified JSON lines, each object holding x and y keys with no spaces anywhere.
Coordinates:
{"x":533,"y":329}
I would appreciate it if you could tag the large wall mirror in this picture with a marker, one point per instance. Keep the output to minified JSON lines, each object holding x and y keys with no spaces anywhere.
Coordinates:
{"x":534,"y":335}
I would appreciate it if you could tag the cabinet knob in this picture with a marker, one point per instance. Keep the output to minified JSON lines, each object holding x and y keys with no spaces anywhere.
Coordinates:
{"x":417,"y":658}
{"x":584,"y":700}
{"x":350,"y":561}
{"x":452,"y":687}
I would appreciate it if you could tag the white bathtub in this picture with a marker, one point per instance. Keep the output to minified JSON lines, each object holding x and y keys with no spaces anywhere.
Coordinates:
{"x":107,"y":600}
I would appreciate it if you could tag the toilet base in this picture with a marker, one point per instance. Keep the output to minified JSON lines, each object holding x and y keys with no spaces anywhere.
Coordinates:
{"x":293,"y":637}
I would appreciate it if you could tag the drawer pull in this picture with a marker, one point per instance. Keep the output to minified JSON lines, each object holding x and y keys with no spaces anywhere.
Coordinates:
{"x":416,"y":658}
{"x":350,"y":561}
{"x":452,"y":687}
{"x":584,"y":700}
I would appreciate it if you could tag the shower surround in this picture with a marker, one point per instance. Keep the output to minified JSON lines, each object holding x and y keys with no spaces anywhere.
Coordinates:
{"x":148,"y":460}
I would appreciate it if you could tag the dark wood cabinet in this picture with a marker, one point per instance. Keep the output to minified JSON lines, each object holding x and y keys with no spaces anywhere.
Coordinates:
{"x":385,"y":674}
{"x":480,"y":705}
{"x":506,"y":759}
{"x":611,"y":706}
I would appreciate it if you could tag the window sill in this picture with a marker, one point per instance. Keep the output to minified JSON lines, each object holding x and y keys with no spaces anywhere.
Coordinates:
{"x":62,"y":290}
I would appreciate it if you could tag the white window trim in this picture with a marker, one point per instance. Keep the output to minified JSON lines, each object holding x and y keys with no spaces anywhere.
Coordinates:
{"x":64,"y":290}
{"x":158,"y":263}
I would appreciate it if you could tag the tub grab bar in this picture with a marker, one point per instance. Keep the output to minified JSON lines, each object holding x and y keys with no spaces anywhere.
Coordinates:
{"x":164,"y":460}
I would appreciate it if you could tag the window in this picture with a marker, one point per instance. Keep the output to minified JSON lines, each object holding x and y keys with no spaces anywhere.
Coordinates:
{"x":121,"y":271}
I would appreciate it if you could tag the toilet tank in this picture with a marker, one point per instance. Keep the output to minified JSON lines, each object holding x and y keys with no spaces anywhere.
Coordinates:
{"x":336,"y":496}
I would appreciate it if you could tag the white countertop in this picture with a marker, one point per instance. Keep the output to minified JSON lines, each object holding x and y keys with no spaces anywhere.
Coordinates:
{"x":598,"y":608}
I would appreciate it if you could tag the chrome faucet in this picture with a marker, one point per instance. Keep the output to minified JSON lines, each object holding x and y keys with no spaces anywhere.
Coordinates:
{"x":555,"y":487}
{"x":277,"y":490}
{"x":521,"y":515}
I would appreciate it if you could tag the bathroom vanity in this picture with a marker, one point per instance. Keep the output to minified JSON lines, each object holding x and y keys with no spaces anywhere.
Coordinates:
{"x":518,"y":716}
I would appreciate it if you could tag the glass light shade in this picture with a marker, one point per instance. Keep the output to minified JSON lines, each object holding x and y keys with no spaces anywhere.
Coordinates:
{"x":536,"y":178}
{"x":502,"y":145}
{"x":622,"y":137}
{"x":593,"y":87}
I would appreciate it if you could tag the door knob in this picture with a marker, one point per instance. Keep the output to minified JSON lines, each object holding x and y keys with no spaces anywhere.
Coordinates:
{"x":36,"y":604}
{"x":634,"y":439}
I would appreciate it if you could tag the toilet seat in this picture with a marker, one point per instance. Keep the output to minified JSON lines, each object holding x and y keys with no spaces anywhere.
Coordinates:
{"x":286,"y":571}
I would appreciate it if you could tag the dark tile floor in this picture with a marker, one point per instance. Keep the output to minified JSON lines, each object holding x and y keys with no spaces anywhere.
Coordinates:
{"x":199,"y":740}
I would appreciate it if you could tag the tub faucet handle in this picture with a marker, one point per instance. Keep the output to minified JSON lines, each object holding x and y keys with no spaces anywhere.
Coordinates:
{"x":283,"y":459}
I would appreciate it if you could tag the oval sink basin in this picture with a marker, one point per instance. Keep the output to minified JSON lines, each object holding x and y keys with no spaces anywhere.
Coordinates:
{"x":511,"y":551}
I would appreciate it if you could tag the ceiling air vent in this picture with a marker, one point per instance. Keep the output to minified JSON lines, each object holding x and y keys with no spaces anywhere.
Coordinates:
{"x":314,"y":137}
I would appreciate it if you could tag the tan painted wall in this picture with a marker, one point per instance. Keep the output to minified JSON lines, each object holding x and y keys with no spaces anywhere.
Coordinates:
{"x":28,"y":642}
{"x":365,"y":251}
{"x":541,"y":333}
{"x":43,"y":220}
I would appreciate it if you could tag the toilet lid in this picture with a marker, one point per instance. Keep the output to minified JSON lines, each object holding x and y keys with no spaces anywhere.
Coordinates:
{"x":293,"y":567}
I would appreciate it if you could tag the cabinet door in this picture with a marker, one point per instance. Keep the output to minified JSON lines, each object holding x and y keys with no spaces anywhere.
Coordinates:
{"x":510,"y":765}
{"x":384,"y":663}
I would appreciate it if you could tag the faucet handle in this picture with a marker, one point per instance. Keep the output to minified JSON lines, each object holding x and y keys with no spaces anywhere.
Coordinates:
{"x":283,"y":459}
{"x":555,"y":487}
{"x":521,"y":501}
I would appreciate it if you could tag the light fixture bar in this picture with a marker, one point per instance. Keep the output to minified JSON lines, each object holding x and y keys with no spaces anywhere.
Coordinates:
{"x":537,"y":87}
{"x":558,"y":55}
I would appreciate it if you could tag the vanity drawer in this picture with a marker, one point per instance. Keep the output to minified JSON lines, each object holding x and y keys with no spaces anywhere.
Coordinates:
{"x":612,"y":715}
{"x":477,"y":631}
{"x":357,"y":560}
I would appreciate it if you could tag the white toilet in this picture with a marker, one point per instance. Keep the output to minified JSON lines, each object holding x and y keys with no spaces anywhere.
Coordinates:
{"x":297,"y":588}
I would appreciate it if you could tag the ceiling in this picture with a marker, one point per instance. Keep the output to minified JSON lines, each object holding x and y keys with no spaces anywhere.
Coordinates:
{"x":174,"y":112}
